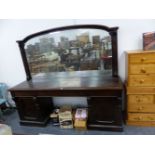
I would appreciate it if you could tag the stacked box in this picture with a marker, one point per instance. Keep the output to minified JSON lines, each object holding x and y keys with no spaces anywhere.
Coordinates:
{"x":65,"y":117}
{"x":55,"y":117}
{"x":80,"y":118}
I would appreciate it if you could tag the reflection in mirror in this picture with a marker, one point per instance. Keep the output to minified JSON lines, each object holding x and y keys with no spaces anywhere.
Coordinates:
{"x":70,"y":50}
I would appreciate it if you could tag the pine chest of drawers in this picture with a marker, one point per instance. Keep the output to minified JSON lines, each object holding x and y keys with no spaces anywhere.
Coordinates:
{"x":140,"y":76}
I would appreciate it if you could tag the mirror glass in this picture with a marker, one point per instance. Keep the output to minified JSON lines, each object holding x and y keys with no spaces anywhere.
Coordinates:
{"x":70,"y":50}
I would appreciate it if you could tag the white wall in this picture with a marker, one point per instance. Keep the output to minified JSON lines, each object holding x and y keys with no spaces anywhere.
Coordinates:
{"x":11,"y":66}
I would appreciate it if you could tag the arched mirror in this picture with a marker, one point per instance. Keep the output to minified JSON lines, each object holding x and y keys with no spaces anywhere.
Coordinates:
{"x":71,"y":48}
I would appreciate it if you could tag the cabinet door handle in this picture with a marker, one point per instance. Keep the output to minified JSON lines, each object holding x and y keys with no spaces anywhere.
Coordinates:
{"x":34,"y":98}
{"x":104,"y":121}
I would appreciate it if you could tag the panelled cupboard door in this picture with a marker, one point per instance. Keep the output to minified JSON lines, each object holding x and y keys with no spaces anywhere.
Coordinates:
{"x":104,"y":110}
{"x":33,"y":108}
{"x":28,"y":108}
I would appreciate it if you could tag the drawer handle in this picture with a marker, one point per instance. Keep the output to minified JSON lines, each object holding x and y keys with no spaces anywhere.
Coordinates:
{"x":143,"y":70}
{"x":143,"y":59}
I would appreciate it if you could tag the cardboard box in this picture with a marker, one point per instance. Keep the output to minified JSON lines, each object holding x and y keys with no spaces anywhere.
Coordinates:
{"x":65,"y":117}
{"x":81,"y":118}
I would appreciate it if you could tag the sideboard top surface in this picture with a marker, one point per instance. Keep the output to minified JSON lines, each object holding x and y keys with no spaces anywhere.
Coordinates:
{"x":77,"y":80}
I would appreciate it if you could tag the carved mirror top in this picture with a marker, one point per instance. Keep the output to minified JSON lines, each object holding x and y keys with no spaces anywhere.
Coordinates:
{"x":71,"y":48}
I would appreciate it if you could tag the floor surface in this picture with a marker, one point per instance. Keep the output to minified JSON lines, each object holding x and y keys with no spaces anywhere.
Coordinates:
{"x":11,"y":118}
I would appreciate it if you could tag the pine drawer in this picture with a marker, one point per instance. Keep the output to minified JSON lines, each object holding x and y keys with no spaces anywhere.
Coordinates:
{"x":141,"y":108}
{"x":141,"y":58}
{"x":141,"y":99}
{"x":141,"y":80}
{"x":141,"y":103}
{"x":141,"y":69}
{"x":141,"y":117}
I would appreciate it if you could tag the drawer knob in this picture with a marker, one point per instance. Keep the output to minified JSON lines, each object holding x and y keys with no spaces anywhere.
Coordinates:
{"x":143,"y":70}
{"x":139,"y":108}
{"x":143,"y":59}
{"x":141,"y":81}
{"x":138,"y":118}
{"x":138,"y":100}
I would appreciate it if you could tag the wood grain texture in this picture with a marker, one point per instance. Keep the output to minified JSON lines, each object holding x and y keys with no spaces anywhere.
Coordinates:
{"x":147,"y":80}
{"x":141,"y":99}
{"x":140,"y":88}
{"x":144,"y":123}
{"x":141,"y":69}
{"x":78,"y":80}
{"x":141,"y":116}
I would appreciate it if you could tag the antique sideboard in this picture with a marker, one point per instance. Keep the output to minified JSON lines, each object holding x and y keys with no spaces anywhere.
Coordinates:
{"x":65,"y":72}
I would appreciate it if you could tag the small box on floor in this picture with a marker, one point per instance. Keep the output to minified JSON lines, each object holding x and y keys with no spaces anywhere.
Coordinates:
{"x":54,"y":117}
{"x":80,"y":118}
{"x":65,"y":117}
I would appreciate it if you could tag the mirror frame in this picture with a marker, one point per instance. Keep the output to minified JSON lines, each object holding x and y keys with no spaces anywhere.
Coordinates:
{"x":111,"y":30}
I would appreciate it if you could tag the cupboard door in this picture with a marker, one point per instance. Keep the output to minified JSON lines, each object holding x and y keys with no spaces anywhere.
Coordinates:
{"x":27,"y":107}
{"x":34,"y":109}
{"x":104,"y":111}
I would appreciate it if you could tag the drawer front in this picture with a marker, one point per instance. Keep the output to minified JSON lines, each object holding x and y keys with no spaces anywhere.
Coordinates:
{"x":140,"y":90}
{"x":141,"y":99}
{"x":142,"y":58}
{"x":141,"y":117}
{"x":141,"y":68}
{"x":141,"y":80}
{"x":141,"y":123}
{"x":141,"y":108}
{"x":141,"y":103}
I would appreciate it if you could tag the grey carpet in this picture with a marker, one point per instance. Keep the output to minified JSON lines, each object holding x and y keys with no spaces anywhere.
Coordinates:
{"x":11,"y":118}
